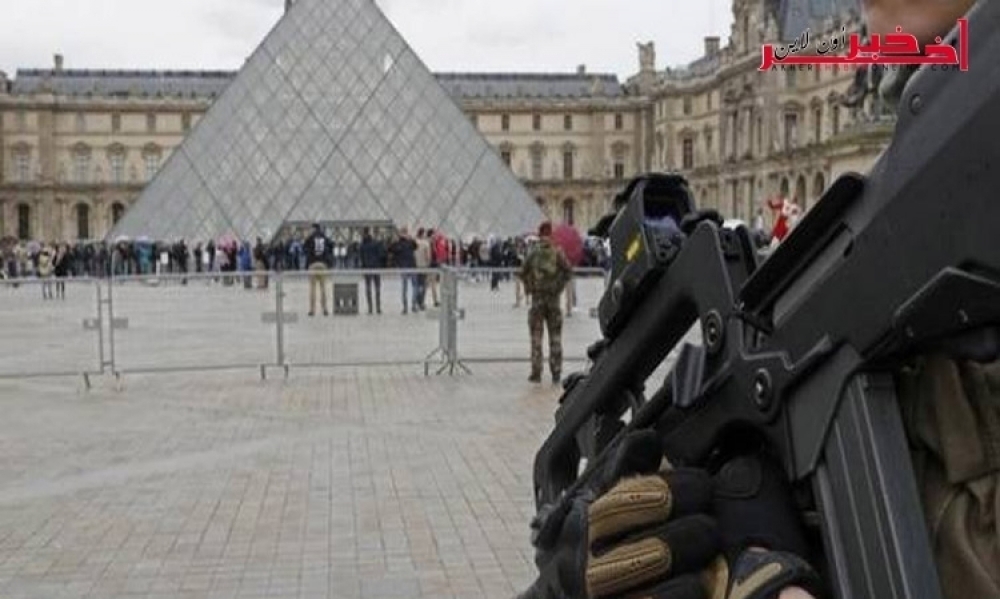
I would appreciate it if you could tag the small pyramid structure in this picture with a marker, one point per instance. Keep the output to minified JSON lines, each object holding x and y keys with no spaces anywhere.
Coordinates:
{"x":333,"y":118}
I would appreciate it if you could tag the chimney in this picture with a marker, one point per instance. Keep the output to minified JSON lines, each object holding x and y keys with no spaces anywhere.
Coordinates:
{"x":581,"y":70}
{"x":711,"y":46}
{"x":59,"y":63}
{"x":647,"y":58}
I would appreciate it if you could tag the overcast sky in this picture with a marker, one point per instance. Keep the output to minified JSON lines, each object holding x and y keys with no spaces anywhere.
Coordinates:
{"x":450,"y":35}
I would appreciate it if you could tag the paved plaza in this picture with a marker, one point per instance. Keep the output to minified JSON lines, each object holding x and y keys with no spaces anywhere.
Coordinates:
{"x":354,"y":482}
{"x":348,"y":482}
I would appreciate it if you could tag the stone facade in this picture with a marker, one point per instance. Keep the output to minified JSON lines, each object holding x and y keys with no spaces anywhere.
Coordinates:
{"x":743,"y":136}
{"x":77,"y":147}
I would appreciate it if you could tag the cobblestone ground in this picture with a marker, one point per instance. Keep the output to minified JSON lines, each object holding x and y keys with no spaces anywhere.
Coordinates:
{"x":361,"y":482}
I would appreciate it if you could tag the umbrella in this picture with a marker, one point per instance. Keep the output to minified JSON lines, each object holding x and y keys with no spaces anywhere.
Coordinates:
{"x":569,"y":240}
{"x":227,"y":241}
{"x":122,"y":239}
{"x":34,"y":247}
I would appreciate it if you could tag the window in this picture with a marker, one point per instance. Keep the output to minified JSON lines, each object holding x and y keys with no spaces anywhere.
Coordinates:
{"x":186,"y":122}
{"x":152,"y":161}
{"x":536,"y":122}
{"x":687,"y":106}
{"x":116,"y":123}
{"x":568,"y":122}
{"x":23,"y":222}
{"x":117,"y":212}
{"x":82,"y":221}
{"x":709,"y":142}
{"x":708,"y":101}
{"x":835,"y":117}
{"x":619,"y":170}
{"x":791,"y":131}
{"x":790,"y":78}
{"x":760,"y":135}
{"x":819,"y":186}
{"x":81,"y":166}
{"x":81,"y":123}
{"x":21,"y":121}
{"x":746,"y":33}
{"x":568,"y":164}
{"x":687,"y":152}
{"x":505,"y":122}
{"x":619,"y":122}
{"x":569,"y":212}
{"x":536,"y":162}
{"x":117,"y":160}
{"x":506,"y":157}
{"x":22,"y":165}
{"x":734,"y":134}
{"x":150,"y":123}
{"x":817,"y":124}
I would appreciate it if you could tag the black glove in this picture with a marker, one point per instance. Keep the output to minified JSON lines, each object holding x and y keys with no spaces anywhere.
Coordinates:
{"x":679,"y":534}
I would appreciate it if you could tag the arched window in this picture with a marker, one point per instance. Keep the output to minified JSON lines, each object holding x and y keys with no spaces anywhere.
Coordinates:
{"x":151,"y":159}
{"x":23,"y":222}
{"x":568,"y":154}
{"x":784,"y":187}
{"x":117,"y":212}
{"x":817,"y":123}
{"x":22,"y":163}
{"x":746,"y":33}
{"x":537,"y":154}
{"x":569,"y":212}
{"x":619,"y":151}
{"x":819,"y":186}
{"x":116,"y":164}
{"x":687,"y":152}
{"x":81,"y":163}
{"x":800,"y":190}
{"x":82,"y":221}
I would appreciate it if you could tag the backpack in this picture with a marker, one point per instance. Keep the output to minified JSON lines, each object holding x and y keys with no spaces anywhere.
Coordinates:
{"x":546,"y":275}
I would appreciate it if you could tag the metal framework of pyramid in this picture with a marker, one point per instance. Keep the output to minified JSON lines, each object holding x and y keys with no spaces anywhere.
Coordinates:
{"x":333,"y":118}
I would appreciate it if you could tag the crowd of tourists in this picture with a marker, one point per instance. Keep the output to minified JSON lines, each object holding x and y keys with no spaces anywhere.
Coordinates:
{"x":31,"y":259}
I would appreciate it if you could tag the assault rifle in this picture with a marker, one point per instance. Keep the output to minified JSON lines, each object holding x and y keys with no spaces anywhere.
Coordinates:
{"x":799,"y":348}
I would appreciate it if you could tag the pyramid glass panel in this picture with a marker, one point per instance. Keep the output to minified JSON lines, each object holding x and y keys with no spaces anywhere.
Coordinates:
{"x":332,"y":118}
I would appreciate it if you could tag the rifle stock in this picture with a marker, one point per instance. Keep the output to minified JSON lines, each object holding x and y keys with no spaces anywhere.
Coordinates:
{"x":798,"y":349}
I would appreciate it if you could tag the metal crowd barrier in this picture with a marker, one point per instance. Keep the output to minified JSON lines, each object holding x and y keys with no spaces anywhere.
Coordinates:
{"x":495,"y":310}
{"x":261,"y":320}
{"x":366,"y":317}
{"x":51,"y":328}
{"x":164,"y":323}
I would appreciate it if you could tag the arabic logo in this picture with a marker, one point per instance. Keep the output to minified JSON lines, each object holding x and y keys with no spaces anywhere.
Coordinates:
{"x":895,"y":49}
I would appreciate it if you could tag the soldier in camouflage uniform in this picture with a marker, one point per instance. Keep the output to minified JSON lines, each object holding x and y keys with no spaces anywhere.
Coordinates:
{"x":545,"y":273}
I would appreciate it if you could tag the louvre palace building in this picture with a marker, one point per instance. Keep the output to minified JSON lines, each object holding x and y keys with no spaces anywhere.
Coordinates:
{"x":78,"y":146}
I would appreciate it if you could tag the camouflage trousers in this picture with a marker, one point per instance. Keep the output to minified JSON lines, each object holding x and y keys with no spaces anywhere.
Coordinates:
{"x":952,"y":412}
{"x":545,"y":313}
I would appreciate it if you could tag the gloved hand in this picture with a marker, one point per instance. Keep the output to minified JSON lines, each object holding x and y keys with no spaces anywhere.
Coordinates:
{"x":681,"y":534}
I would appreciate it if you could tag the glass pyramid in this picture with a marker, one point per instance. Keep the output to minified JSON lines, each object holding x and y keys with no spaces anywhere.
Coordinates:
{"x":333,"y":118}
